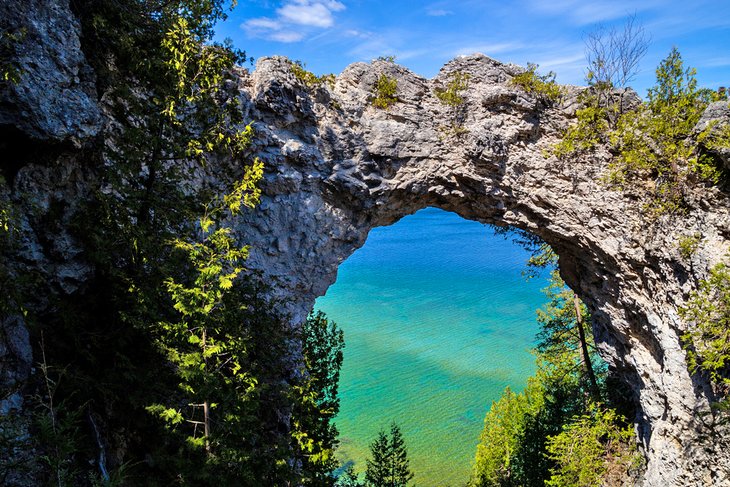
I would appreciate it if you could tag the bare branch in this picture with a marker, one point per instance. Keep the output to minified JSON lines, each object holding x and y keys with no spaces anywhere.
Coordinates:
{"x":613,"y":55}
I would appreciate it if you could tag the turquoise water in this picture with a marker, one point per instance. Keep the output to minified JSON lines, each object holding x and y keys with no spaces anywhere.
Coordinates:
{"x":438,"y":319}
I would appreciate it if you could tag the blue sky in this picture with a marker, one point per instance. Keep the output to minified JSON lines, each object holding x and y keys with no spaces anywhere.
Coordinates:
{"x":328,"y":35}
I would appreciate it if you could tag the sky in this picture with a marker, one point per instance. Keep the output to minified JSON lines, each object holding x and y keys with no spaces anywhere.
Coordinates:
{"x":328,"y":35}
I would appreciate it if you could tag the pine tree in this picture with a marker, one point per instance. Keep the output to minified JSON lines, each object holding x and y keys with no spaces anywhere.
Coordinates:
{"x":400,"y":474}
{"x":389,"y":466}
{"x":376,"y":474}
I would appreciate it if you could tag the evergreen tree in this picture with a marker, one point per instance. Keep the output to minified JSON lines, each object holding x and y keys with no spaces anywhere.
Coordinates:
{"x":389,"y":466}
{"x":349,"y":478}
{"x":318,"y":404}
{"x":376,"y":473}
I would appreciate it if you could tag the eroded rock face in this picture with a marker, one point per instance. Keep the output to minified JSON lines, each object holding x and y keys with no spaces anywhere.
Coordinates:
{"x":55,"y":100}
{"x":336,"y":167}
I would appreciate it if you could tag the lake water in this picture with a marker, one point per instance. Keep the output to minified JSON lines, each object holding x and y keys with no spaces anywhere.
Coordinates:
{"x":438,"y":319}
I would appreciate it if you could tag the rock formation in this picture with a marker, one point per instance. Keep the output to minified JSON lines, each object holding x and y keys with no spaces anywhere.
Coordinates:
{"x":337,"y":167}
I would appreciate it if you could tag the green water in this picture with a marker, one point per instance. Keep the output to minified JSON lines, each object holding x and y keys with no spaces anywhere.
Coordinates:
{"x":438,"y":319}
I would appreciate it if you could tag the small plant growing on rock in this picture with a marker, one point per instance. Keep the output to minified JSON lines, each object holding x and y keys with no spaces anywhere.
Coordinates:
{"x":10,"y":72}
{"x":591,"y":129}
{"x":541,"y":85}
{"x":688,"y":245}
{"x":310,"y":79}
{"x":387,"y":59}
{"x":452,"y":94}
{"x":592,"y":448}
{"x":385,"y":90}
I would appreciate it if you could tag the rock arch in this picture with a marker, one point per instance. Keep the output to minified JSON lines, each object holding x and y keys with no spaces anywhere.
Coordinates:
{"x":338,"y":167}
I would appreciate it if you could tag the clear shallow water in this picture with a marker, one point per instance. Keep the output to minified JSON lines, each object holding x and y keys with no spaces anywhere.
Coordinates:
{"x":438,"y":319}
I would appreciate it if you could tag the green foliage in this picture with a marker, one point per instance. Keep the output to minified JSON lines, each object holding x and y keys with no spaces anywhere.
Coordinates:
{"x":589,"y":448}
{"x":452,"y":97}
{"x":349,"y":478}
{"x":707,"y":341}
{"x":170,"y":323}
{"x":517,"y":429}
{"x":592,"y":128}
{"x":10,"y":71}
{"x":688,"y":245}
{"x":542,"y":86}
{"x":452,"y":94}
{"x":658,"y":153}
{"x":388,"y":465}
{"x":387,"y":59}
{"x":205,"y":346}
{"x":56,"y":429}
{"x":312,"y":423}
{"x":656,"y":140}
{"x":504,"y":428}
{"x":385,"y":92}
{"x":310,"y":79}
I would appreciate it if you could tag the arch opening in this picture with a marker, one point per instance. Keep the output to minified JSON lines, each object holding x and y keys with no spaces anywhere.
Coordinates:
{"x":438,"y":320}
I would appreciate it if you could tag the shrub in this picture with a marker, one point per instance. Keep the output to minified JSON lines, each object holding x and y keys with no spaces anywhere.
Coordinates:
{"x":688,"y":245}
{"x":310,"y":79}
{"x":585,"y":135}
{"x":542,"y":86}
{"x":452,"y":94}
{"x":707,"y":341}
{"x":385,"y":90}
{"x":591,"y":447}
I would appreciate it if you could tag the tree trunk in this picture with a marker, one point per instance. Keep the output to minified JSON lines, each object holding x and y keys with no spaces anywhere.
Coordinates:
{"x":587,"y":365}
{"x":206,"y":406}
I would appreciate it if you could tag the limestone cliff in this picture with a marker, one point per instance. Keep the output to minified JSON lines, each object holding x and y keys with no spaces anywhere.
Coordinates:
{"x":337,"y":167}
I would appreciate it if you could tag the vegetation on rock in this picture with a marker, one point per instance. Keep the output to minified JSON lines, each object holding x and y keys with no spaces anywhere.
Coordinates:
{"x":707,"y":340}
{"x":310,"y":79}
{"x":657,"y":150}
{"x":386,"y":88}
{"x":542,"y":86}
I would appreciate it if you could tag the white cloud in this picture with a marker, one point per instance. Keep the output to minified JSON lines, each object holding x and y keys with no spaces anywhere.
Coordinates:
{"x":308,"y":12}
{"x":286,"y":36}
{"x":438,"y":12}
{"x":358,"y":33}
{"x":295,"y":18}
{"x":488,"y":49}
{"x":263,"y":23}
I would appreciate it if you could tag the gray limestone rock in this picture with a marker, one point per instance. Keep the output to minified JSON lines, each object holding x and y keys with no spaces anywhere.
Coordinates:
{"x":54,"y":99}
{"x":360,"y":167}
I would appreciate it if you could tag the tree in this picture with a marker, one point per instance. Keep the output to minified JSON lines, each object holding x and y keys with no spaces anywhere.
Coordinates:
{"x":592,"y":446}
{"x":570,"y":376}
{"x":563,"y":331}
{"x":657,"y":139}
{"x":208,"y":354}
{"x":613,"y":55}
{"x":613,"y":58}
{"x":349,"y":478}
{"x":504,"y":426}
{"x":389,"y":465}
{"x":317,"y":401}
